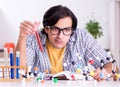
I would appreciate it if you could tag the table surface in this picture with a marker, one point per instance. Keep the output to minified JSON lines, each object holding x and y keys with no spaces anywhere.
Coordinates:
{"x":62,"y":83}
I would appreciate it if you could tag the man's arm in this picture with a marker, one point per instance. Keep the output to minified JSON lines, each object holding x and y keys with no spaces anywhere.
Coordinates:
{"x":26,"y":28}
{"x":21,"y":47}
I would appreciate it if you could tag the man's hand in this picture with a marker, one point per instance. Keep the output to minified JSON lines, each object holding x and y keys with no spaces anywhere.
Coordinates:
{"x":27,"y":27}
{"x":107,"y":69}
{"x":97,"y":75}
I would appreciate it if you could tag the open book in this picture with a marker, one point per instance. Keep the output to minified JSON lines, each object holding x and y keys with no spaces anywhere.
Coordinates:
{"x":65,"y":75}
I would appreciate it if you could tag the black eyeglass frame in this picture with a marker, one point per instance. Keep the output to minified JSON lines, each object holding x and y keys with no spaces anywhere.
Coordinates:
{"x":59,"y":30}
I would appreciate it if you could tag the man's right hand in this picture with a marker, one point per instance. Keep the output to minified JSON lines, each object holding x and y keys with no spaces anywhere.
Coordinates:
{"x":27,"y":28}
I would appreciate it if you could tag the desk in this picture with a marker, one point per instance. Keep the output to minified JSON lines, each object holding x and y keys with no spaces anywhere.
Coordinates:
{"x":62,"y":83}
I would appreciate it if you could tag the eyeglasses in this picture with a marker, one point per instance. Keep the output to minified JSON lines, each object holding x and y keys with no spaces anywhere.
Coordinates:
{"x":56,"y":30}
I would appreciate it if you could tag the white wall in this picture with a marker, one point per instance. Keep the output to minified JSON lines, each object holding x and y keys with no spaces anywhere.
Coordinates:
{"x":115,"y":29}
{"x":12,"y":12}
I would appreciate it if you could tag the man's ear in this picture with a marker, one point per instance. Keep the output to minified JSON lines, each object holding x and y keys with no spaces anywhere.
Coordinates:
{"x":46,"y":29}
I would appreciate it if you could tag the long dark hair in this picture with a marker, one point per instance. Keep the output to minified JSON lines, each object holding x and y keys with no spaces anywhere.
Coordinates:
{"x":53,"y":14}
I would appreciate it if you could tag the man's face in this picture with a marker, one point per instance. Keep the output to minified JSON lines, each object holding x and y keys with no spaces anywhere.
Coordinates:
{"x":60,"y":40}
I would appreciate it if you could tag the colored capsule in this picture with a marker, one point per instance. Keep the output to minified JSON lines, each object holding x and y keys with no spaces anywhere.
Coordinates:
{"x":72,"y":76}
{"x":38,"y":79}
{"x":78,"y":70}
{"x":92,"y":73}
{"x":46,"y":71}
{"x":91,"y":61}
{"x":35,"y":68}
{"x":55,"y":80}
{"x":79,"y":66}
{"x":42,"y":81}
{"x":102,"y":75}
{"x":118,"y":75}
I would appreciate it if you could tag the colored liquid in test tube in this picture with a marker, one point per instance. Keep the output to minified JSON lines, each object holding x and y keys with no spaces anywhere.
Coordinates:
{"x":36,"y":24}
{"x":12,"y":63}
{"x":17,"y":64}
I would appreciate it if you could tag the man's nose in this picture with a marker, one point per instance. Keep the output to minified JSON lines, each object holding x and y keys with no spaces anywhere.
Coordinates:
{"x":60,"y":35}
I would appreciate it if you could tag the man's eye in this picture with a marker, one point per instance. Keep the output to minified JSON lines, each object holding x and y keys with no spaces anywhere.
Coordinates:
{"x":54,"y":29}
{"x":67,"y":30}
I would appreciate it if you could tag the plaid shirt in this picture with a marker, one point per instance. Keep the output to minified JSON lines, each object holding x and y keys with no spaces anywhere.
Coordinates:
{"x":79,"y":49}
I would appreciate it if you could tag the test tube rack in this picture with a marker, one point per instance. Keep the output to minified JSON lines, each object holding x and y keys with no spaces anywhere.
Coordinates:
{"x":5,"y":73}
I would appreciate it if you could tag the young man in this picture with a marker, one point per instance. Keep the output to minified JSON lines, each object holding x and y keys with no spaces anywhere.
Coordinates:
{"x":64,"y":46}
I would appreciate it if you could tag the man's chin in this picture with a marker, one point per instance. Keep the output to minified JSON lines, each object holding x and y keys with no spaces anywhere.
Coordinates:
{"x":59,"y":47}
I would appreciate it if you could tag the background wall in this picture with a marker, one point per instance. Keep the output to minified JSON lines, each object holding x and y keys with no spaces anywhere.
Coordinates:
{"x":12,"y":12}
